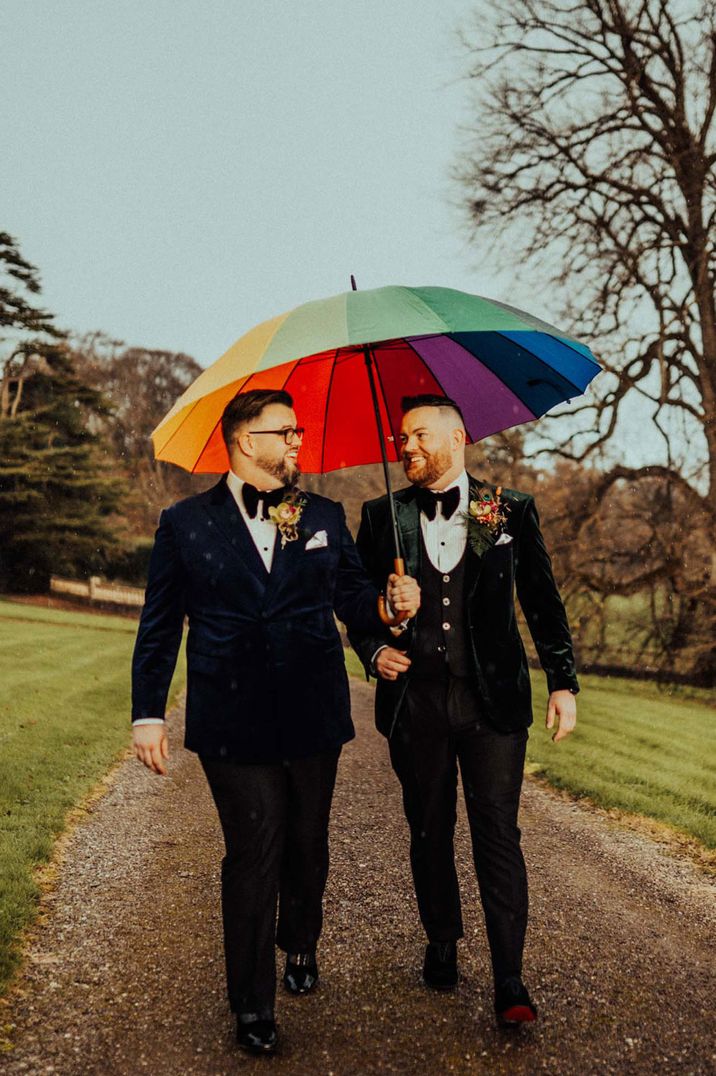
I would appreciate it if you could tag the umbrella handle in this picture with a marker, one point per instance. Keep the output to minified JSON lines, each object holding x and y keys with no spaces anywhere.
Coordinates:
{"x":397,"y":618}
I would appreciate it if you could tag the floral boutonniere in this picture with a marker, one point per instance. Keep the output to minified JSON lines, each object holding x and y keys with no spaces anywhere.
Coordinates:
{"x":287,"y":515}
{"x":486,"y":516}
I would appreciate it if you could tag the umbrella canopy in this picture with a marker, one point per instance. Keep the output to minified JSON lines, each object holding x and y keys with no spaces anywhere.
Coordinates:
{"x":501,"y":365}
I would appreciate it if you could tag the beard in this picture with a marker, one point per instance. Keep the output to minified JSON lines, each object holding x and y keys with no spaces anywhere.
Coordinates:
{"x":285,"y":470}
{"x":434,"y":467}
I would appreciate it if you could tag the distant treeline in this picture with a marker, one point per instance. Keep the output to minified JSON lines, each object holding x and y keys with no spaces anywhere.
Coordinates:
{"x":81,"y":492}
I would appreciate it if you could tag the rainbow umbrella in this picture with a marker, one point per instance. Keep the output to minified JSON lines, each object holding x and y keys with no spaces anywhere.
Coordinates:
{"x":355,"y":355}
{"x":503,"y":366}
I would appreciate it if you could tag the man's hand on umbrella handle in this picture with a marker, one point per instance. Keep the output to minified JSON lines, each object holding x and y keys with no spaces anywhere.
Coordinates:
{"x":151,"y":746}
{"x":390,"y":663}
{"x":562,"y":708}
{"x":403,"y":594}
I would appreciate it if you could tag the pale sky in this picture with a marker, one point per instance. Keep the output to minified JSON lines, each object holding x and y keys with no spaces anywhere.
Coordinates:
{"x":181,"y":170}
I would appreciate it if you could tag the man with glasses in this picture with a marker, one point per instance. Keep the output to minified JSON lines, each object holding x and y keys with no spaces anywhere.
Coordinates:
{"x":259,"y":567}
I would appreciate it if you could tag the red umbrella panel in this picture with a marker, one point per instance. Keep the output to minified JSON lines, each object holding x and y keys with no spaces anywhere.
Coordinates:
{"x":332,"y":400}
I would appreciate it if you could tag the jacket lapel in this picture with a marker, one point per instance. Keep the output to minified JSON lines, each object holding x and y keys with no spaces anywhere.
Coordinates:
{"x":408,"y":516}
{"x":286,"y":560}
{"x":228,"y":521}
{"x":473,"y":562}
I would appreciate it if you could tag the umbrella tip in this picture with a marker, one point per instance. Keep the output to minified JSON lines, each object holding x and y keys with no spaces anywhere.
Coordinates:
{"x":353,"y":283}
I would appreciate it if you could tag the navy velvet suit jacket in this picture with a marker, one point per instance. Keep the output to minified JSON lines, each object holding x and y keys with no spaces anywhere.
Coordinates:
{"x":266,"y":672}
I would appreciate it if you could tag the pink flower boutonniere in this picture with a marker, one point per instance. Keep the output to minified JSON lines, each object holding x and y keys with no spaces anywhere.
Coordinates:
{"x":486,"y":517}
{"x":287,"y":515}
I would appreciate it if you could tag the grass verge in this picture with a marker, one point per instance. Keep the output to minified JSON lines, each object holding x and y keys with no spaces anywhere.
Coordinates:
{"x":640,"y":749}
{"x":64,"y":720}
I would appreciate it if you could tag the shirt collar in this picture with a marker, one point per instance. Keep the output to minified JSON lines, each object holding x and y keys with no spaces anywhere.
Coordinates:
{"x":235,"y":485}
{"x":463,"y":483}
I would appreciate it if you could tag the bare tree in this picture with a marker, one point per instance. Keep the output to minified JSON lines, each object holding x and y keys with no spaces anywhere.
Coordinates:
{"x":140,"y":384}
{"x":595,"y":153}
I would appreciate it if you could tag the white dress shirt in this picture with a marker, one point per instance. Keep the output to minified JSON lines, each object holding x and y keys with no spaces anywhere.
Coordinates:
{"x":263,"y":531}
{"x":445,"y":539}
{"x":264,"y":534}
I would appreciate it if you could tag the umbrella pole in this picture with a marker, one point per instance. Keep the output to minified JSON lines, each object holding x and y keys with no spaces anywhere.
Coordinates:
{"x":398,"y":562}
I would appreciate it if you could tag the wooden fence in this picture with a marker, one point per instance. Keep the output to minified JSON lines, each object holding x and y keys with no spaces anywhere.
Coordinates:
{"x":94,"y":590}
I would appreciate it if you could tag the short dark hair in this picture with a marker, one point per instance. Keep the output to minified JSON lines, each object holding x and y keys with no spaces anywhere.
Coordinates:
{"x":248,"y":405}
{"x":409,"y":403}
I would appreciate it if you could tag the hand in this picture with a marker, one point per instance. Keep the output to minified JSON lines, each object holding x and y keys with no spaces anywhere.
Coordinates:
{"x":561,"y":706}
{"x":403,"y":594}
{"x":151,"y":746}
{"x":390,"y":663}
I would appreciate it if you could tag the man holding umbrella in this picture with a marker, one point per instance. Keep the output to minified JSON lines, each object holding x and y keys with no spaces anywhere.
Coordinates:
{"x":259,"y":568}
{"x":454,"y":687}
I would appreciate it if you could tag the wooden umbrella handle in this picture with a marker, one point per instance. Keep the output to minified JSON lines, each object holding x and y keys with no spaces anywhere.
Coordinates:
{"x":397,"y":618}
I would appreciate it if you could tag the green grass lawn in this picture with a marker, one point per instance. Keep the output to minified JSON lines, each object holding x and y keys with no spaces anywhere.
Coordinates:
{"x":64,"y":719}
{"x":638,"y":747}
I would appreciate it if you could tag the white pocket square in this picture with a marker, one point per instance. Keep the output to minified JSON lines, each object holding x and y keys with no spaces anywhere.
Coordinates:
{"x":504,"y":539}
{"x":318,"y":541}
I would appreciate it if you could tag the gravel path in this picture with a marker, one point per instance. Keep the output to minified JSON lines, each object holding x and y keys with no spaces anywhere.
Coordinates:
{"x":125,"y":974}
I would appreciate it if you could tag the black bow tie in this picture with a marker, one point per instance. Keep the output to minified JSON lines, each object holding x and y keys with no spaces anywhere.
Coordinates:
{"x":270,"y":498}
{"x":428,"y":501}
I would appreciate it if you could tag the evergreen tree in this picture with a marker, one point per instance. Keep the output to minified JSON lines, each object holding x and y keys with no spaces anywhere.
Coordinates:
{"x":18,"y":277}
{"x":57,"y":492}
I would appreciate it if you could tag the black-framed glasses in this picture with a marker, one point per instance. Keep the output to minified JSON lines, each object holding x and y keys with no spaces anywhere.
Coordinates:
{"x":289,"y":433}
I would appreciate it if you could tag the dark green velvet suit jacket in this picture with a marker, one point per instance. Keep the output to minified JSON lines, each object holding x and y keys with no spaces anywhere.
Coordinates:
{"x":520,"y":566}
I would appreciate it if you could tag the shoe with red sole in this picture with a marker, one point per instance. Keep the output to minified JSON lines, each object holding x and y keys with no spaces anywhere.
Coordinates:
{"x":513,"y":1005}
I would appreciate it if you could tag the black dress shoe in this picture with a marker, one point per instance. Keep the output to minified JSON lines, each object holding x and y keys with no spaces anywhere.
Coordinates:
{"x":256,"y":1035}
{"x":301,"y":974}
{"x":512,"y":1003}
{"x":440,"y":966}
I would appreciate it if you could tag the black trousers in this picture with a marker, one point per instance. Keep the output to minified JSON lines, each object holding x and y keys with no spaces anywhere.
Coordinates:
{"x":275,"y":824}
{"x":438,"y":728}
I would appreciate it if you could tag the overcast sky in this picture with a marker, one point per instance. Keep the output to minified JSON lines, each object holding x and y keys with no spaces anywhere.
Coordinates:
{"x":180,"y":170}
